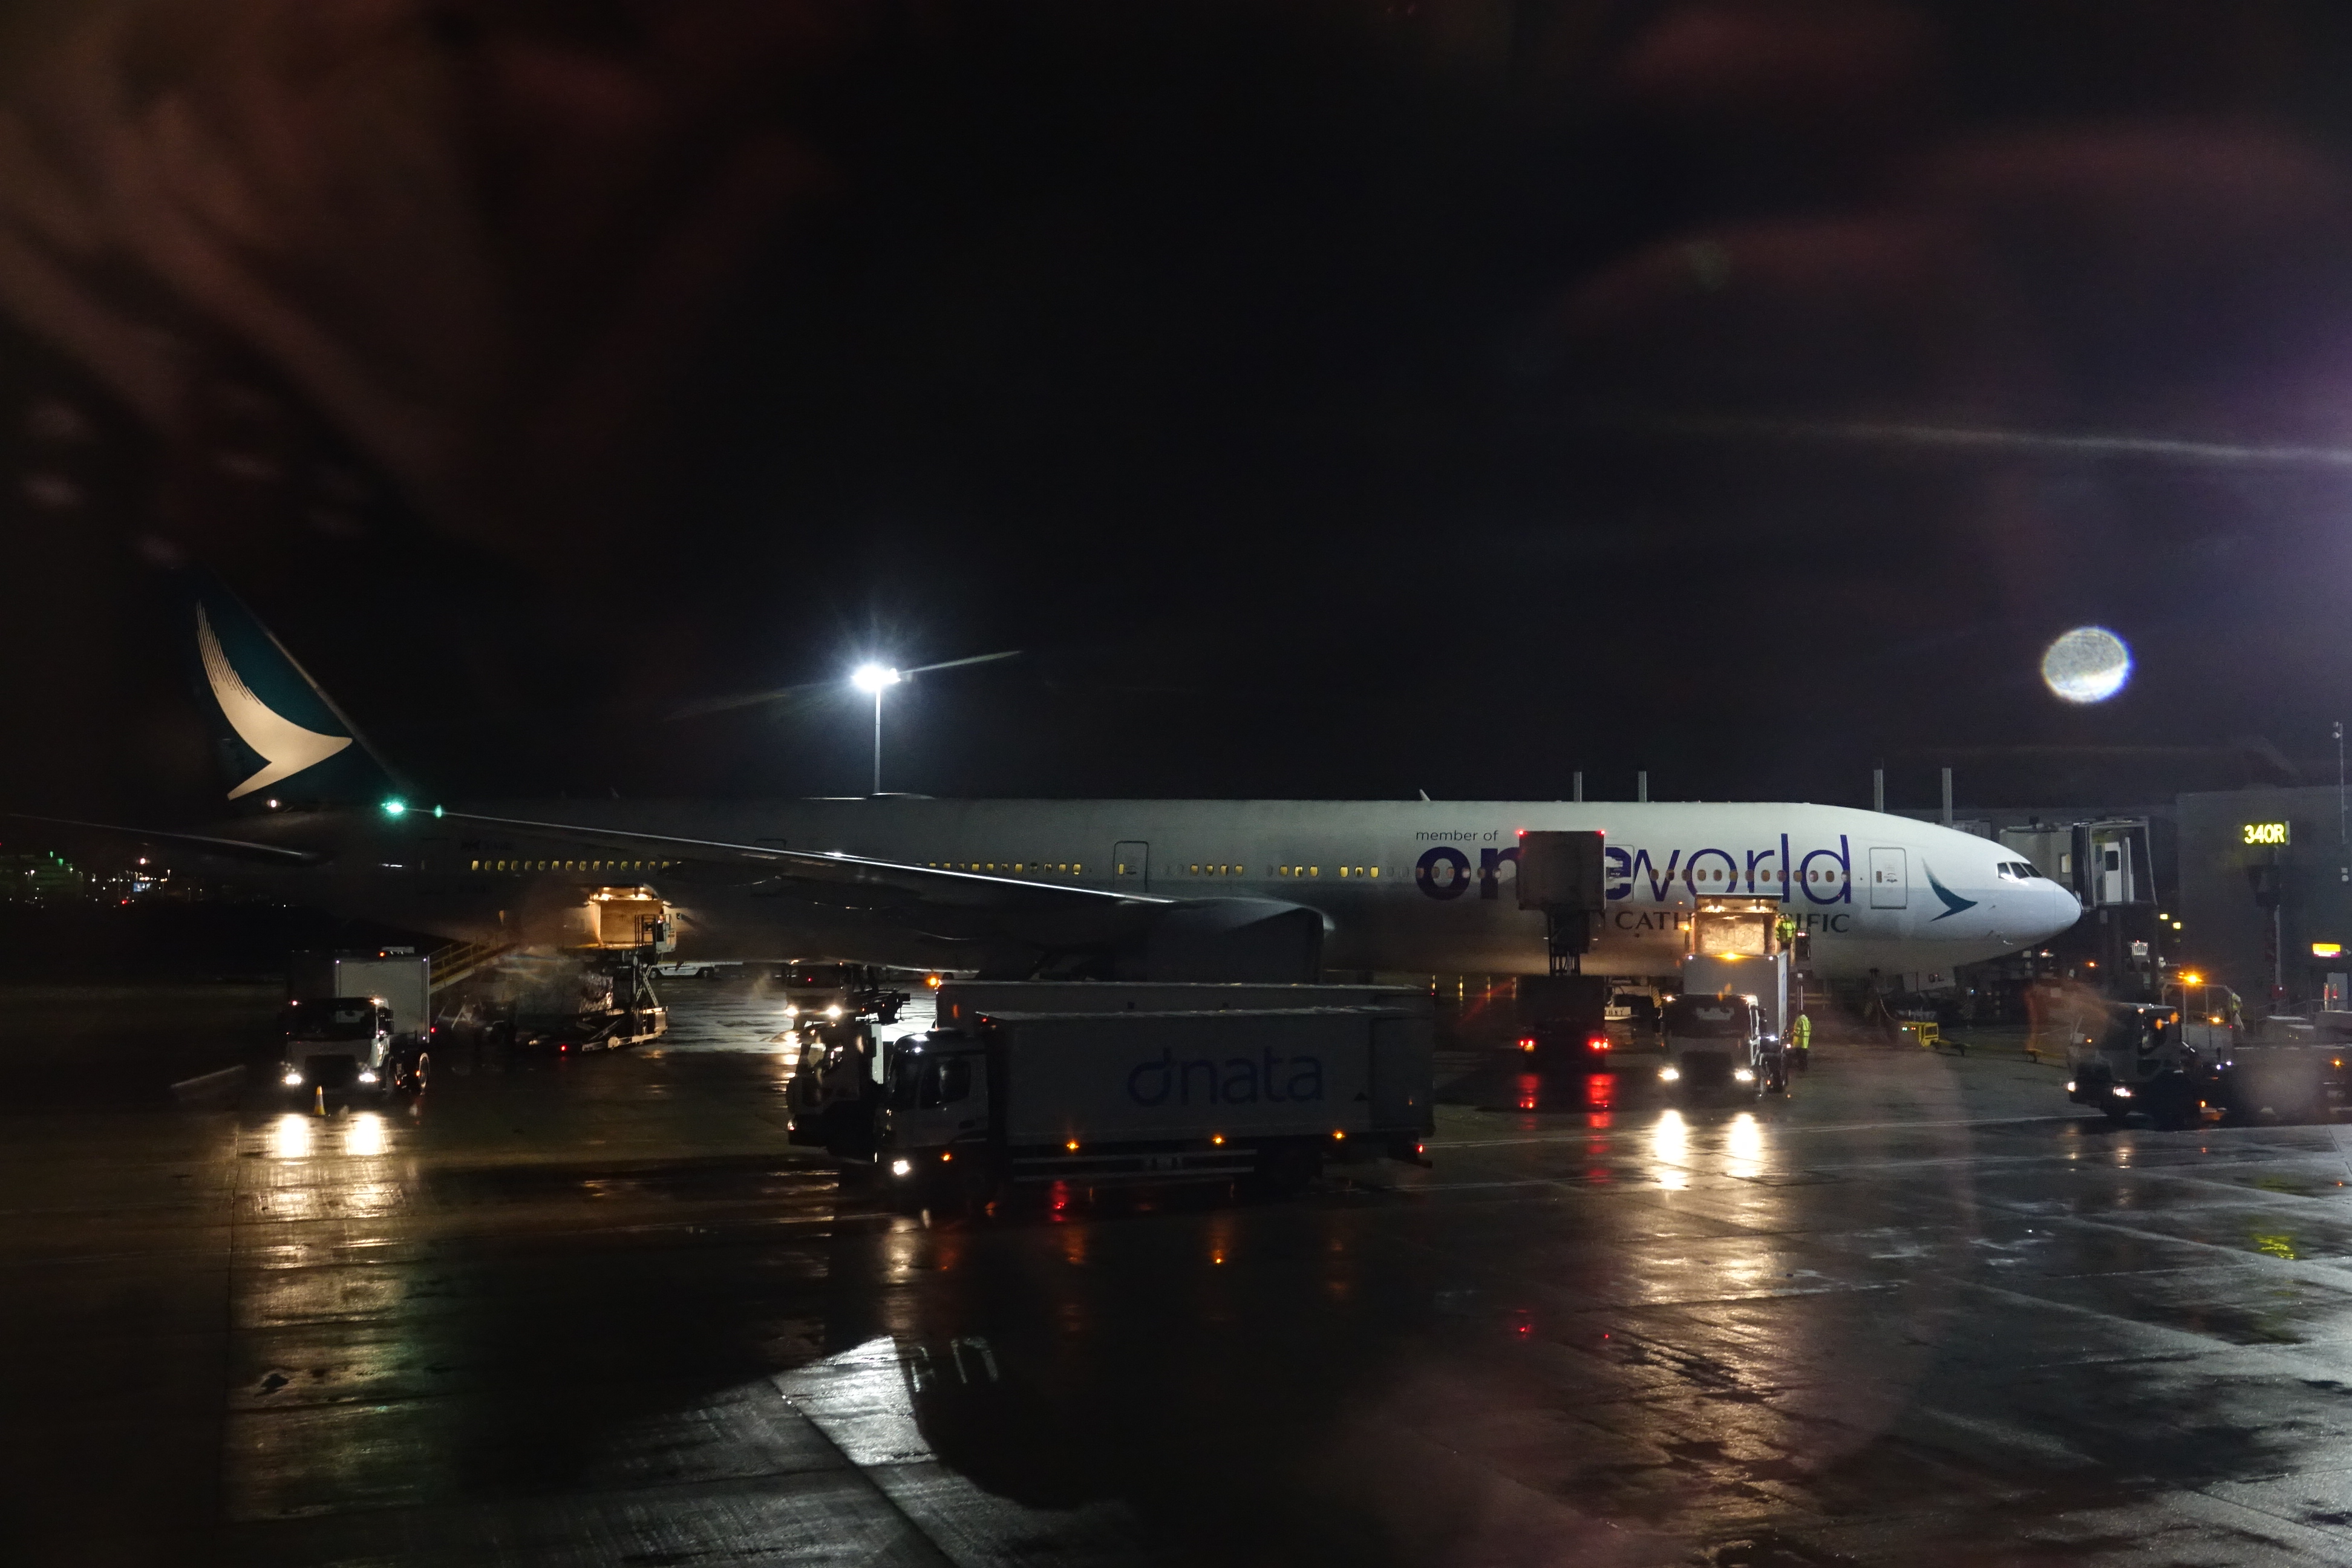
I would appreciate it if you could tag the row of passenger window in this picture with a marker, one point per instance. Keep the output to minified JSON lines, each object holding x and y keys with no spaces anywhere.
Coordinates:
{"x":572,"y":865}
{"x":1031,"y":868}
{"x":1763,"y":874}
{"x":1197,"y":868}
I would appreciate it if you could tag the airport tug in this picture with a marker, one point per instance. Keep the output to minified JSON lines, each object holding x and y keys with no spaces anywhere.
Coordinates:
{"x":2189,"y":1058}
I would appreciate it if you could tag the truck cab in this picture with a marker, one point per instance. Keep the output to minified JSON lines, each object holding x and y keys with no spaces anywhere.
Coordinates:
{"x":1715,"y":1045}
{"x":337,"y":1048}
{"x":937,"y":1096}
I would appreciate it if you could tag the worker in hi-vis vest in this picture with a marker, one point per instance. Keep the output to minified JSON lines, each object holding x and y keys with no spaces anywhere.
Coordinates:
{"x":1801,"y":1041}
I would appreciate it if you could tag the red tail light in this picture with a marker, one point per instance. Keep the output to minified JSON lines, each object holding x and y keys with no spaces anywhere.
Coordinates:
{"x":1597,"y":1042}
{"x":1529,"y":1043}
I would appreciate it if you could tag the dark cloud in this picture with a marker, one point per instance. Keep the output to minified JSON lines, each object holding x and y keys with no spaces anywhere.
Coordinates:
{"x":1339,"y":398}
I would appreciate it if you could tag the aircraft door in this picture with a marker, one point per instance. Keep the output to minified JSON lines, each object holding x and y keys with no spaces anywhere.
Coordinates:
{"x":1890,"y":887}
{"x":1130,"y":867}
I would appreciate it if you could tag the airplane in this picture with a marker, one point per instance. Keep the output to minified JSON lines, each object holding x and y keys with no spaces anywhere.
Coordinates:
{"x":1165,"y":889}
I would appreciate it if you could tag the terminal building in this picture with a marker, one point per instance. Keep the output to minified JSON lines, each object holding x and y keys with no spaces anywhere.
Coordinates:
{"x":2251,"y":888}
{"x":2265,"y":892}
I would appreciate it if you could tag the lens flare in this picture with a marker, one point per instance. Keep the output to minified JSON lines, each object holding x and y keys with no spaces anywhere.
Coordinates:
{"x":2089,"y":664}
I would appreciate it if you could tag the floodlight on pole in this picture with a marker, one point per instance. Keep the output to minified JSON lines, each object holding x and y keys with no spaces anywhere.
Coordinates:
{"x":875,"y":679}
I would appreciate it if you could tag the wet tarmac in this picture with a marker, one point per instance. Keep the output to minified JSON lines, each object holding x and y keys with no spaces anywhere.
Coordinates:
{"x":593,"y":1312}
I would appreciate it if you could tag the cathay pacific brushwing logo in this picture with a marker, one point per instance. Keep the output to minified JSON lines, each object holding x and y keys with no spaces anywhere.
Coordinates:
{"x":285,"y":747}
{"x":1953,"y":902}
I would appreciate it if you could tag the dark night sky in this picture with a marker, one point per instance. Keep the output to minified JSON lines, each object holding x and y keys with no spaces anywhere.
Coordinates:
{"x":1334,"y":399}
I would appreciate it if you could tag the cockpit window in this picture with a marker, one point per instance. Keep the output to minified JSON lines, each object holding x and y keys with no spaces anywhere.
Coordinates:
{"x":2019,"y":870}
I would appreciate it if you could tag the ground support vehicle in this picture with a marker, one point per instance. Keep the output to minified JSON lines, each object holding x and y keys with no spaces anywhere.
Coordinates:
{"x":2147,"y":1061}
{"x":1564,"y":1023}
{"x":1718,"y":1046}
{"x":2283,"y":1068}
{"x":399,"y":980}
{"x":2192,"y":1055}
{"x":338,"y":1049}
{"x":829,"y":993}
{"x":2283,"y":1079}
{"x":568,"y":1004}
{"x":1091,"y":1099}
{"x":2138,"y":1062}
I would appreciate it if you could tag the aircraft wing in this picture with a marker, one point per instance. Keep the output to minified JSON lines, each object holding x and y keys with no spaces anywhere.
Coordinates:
{"x":209,"y":844}
{"x":831,"y":869}
{"x":1140,"y":936}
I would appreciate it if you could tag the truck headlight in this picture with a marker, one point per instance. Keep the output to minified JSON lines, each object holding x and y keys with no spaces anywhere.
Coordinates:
{"x":293,"y":1079}
{"x":367,"y":1075}
{"x":902,"y":1167}
{"x":2120,"y":1092}
{"x":2070,"y":1086}
{"x":833,"y":1011}
{"x":1668,"y":1075}
{"x":1743,"y":1075}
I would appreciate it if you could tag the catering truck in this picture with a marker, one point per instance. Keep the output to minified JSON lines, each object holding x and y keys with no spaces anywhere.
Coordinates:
{"x":1099,"y":1099}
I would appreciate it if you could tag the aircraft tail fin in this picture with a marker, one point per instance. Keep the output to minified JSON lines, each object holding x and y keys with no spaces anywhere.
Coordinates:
{"x":278,"y":734}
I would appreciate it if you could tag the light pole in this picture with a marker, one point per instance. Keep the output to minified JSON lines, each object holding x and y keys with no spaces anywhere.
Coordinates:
{"x":875,"y":679}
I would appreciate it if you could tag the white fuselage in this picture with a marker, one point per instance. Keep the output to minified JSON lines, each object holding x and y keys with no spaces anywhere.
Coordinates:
{"x":1404,"y":885}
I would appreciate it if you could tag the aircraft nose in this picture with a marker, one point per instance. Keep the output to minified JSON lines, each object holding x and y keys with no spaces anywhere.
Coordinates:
{"x":2065,"y":909}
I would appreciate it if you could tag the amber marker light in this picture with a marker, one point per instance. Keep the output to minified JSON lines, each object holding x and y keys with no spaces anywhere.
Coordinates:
{"x":1219,"y":1139}
{"x":1072,"y":1145}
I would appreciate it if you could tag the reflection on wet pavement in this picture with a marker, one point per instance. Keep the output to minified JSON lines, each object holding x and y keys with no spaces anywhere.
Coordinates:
{"x":1914,"y":1312}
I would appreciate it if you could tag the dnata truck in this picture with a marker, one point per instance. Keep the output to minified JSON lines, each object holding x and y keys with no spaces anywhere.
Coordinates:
{"x":1097,"y":1098}
{"x":833,"y":1093}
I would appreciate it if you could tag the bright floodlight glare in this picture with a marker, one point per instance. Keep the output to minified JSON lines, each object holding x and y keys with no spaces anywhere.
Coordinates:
{"x":873,"y":677}
{"x":2089,"y":664}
